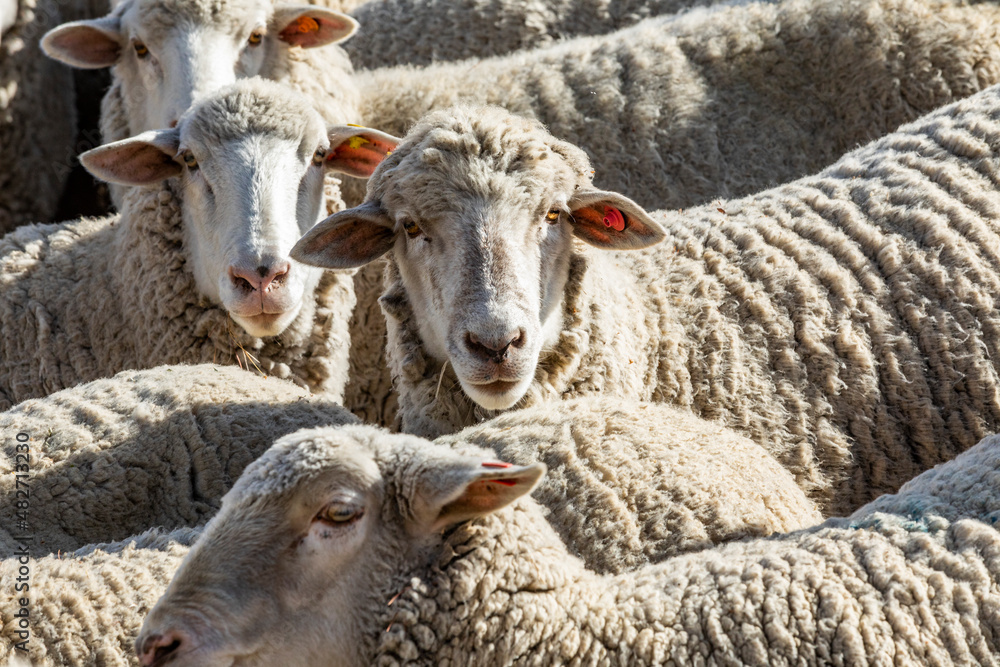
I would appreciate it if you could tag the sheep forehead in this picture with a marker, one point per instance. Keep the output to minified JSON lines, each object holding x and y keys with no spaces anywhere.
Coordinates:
{"x":252,"y":106}
{"x":159,"y":17}
{"x":485,"y":154}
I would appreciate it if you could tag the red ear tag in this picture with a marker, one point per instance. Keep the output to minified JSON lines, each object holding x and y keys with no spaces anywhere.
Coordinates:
{"x":614,"y":219}
{"x":496,"y":464}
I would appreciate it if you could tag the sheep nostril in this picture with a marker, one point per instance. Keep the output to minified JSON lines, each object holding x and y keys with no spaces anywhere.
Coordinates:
{"x":493,"y":351}
{"x":157,"y":648}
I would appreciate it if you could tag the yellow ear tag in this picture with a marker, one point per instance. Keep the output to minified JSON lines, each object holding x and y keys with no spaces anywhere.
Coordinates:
{"x":357,"y":141}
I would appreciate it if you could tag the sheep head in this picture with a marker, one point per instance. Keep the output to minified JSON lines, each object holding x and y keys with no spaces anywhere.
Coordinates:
{"x":170,"y":55}
{"x":250,"y":160}
{"x":311,"y":543}
{"x":479,"y":208}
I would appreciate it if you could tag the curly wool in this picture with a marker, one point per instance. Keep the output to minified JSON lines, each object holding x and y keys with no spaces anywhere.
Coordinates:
{"x":86,"y":608}
{"x":157,"y":447}
{"x":421,"y":32}
{"x":37,"y":119}
{"x":723,"y":101}
{"x":499,"y":593}
{"x":86,"y":299}
{"x":629,"y":485}
{"x":845,"y":322}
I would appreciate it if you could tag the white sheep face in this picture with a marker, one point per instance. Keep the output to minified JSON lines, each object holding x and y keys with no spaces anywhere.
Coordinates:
{"x":479,"y":208}
{"x":312,"y":542}
{"x":169,"y":55}
{"x":251,"y":162}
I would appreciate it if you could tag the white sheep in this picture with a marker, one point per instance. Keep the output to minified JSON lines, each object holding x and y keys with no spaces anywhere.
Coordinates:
{"x":165,"y":55}
{"x":628,"y":486}
{"x":202,"y":277}
{"x":37,"y":115}
{"x":420,"y":32}
{"x":846,"y":322}
{"x":720,"y":101}
{"x":159,"y":447}
{"x":383,"y":550}
{"x":84,"y":609}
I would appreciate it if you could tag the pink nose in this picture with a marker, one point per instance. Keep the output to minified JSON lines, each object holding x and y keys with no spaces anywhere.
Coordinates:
{"x":259,"y":279}
{"x":156,"y":648}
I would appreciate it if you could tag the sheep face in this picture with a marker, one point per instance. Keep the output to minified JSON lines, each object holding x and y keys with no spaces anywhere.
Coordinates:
{"x":479,"y":208}
{"x":312,"y":542}
{"x":251,"y":162}
{"x":170,"y":55}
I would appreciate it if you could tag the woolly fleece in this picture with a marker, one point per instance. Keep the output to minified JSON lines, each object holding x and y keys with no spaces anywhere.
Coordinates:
{"x":722,"y":101}
{"x":846,"y":322}
{"x":157,"y":447}
{"x":630,"y":485}
{"x":503,"y":591}
{"x":420,"y":32}
{"x":87,"y":607}
{"x":37,"y":119}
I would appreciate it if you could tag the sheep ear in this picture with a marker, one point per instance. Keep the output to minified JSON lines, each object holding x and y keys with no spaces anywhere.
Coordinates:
{"x":612,"y":221}
{"x":85,"y":44}
{"x":347,"y":239}
{"x":356,"y":151}
{"x":144,"y":159}
{"x":469,"y":489}
{"x":309,"y":27}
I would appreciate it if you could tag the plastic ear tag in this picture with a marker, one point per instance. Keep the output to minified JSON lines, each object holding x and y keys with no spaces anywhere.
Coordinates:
{"x":614,"y":219}
{"x":357,"y":141}
{"x":496,"y":464}
{"x":305,"y":24}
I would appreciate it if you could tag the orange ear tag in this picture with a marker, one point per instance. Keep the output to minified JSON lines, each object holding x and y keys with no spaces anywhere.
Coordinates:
{"x":614,"y":219}
{"x":306,"y":24}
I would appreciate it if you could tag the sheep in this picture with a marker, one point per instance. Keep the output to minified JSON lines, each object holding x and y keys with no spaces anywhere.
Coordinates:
{"x":381,"y":550}
{"x":712,"y":482}
{"x":287,"y":51}
{"x":199,"y":278}
{"x":158,"y":447}
{"x":85,"y":608}
{"x":37,"y":115}
{"x":722,"y":101}
{"x":627,"y":486}
{"x":421,"y":32}
{"x":846,"y":322}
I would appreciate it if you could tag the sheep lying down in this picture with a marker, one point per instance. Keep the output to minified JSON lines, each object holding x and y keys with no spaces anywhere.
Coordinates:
{"x":847,"y":322}
{"x":111,"y":458}
{"x":354,"y":547}
{"x":627,"y":486}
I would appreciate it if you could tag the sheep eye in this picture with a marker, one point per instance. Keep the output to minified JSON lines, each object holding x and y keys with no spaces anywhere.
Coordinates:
{"x":255,"y":38}
{"x":340,"y":513}
{"x":190,"y":161}
{"x":411,"y":228}
{"x":553,"y":215}
{"x":140,"y":49}
{"x":319,"y":156}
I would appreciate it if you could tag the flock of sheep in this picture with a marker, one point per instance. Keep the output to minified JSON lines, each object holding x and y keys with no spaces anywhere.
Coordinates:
{"x":681,"y":352}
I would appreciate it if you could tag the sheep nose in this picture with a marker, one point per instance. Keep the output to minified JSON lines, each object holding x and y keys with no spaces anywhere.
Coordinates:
{"x":159,"y":648}
{"x":494,"y":349}
{"x":259,"y":279}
